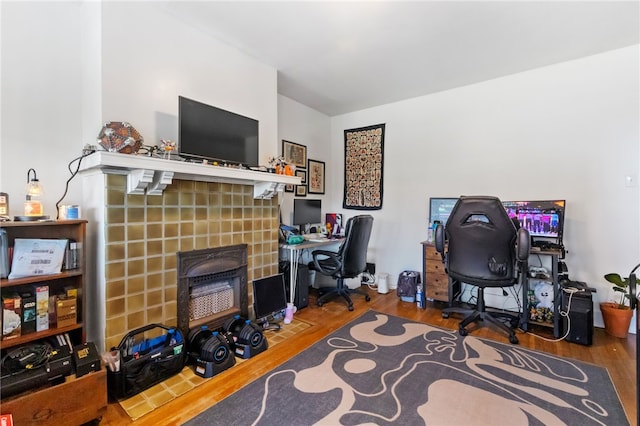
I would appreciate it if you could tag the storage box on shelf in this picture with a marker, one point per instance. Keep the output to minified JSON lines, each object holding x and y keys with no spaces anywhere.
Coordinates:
{"x":57,"y":402}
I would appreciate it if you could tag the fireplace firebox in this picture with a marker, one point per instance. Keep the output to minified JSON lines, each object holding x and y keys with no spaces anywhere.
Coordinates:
{"x":212,"y":286}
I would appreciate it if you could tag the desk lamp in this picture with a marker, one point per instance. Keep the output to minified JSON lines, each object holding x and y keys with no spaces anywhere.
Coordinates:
{"x":32,"y":206}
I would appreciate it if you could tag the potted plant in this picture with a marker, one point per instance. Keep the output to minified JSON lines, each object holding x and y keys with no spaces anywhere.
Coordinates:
{"x":617,"y":314}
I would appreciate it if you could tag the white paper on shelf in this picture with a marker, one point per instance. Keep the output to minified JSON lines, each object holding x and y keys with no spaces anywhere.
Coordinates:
{"x":37,"y":257}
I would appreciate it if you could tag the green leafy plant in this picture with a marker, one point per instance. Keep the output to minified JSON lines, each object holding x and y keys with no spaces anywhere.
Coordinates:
{"x":620,"y":285}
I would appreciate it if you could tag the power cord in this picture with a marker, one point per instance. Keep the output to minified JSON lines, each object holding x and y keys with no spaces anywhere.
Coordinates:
{"x":570,"y":291}
{"x":370,"y":280}
{"x":26,"y":358}
{"x":87,"y":151}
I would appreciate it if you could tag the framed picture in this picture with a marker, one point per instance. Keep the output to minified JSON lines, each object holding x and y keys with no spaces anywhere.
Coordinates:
{"x":294,"y":153}
{"x":288,"y":187}
{"x":316,"y":177}
{"x":302,"y":174}
{"x":301,"y":190}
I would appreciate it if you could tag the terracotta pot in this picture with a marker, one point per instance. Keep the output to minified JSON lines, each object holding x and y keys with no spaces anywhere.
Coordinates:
{"x":616,"y":321}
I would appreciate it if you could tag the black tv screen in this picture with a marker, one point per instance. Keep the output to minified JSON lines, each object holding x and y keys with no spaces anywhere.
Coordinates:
{"x":307,"y":212}
{"x":209,"y":133}
{"x":269,"y":296}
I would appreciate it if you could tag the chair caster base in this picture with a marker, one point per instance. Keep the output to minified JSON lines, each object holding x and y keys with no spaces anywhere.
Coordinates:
{"x":513,"y":340}
{"x":445,"y":315}
{"x":319,"y":303}
{"x":351,"y":307}
{"x":462,"y":331}
{"x":367,"y":298}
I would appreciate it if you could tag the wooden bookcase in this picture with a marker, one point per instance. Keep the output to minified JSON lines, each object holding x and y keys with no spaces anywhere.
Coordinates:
{"x":61,"y":402}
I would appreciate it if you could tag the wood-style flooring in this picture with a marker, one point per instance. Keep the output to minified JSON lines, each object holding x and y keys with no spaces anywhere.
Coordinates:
{"x":616,"y":355}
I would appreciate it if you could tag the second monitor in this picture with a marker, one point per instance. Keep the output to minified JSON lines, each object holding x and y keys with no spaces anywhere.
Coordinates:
{"x":306,"y":212}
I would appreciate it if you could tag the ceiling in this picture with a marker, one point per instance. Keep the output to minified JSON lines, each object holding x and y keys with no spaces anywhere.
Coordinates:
{"x":339,"y":57}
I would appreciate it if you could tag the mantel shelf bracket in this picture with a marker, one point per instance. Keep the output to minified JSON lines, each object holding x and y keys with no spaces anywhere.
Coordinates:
{"x":138,"y":180}
{"x":160,"y":181}
{"x":266,"y":190}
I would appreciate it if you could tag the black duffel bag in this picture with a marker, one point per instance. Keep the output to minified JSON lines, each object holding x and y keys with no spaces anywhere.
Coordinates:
{"x":147,"y":356}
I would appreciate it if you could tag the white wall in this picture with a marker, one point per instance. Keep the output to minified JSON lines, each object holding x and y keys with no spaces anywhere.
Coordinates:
{"x":568,"y":131}
{"x":303,"y":125}
{"x":41,"y":98}
{"x":67,"y":67}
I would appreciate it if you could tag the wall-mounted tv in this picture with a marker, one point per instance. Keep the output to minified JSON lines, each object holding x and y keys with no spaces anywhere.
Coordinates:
{"x":209,"y":133}
{"x":540,"y":218}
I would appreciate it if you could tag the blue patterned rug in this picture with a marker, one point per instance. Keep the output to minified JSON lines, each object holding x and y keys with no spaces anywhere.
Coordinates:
{"x":380,"y":369}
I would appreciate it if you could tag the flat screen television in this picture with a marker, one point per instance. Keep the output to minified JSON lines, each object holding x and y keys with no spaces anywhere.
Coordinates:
{"x":440,"y":209}
{"x":541,"y":218}
{"x":269,"y":298}
{"x":306,"y":211}
{"x":209,"y":133}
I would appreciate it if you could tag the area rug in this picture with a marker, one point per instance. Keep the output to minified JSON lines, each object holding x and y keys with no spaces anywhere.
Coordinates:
{"x":363,"y":171}
{"x":147,"y":401}
{"x":381,"y":369}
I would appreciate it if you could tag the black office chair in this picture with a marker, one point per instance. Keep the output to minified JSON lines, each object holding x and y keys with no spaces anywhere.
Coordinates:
{"x":348,"y":262}
{"x":481,"y":246}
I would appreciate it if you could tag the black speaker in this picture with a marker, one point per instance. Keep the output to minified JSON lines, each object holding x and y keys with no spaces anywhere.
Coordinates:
{"x":580,"y":317}
{"x":301,"y":298}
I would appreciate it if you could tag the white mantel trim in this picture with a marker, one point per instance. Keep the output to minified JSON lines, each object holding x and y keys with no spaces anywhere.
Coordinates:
{"x":143,"y":171}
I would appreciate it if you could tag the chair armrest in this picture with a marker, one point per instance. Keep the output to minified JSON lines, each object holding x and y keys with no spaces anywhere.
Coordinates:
{"x":523,"y":245}
{"x":329,"y":264}
{"x":439,"y":240}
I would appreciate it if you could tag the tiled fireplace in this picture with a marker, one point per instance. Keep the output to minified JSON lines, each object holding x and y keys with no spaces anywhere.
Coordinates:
{"x":142,"y":211}
{"x":142,"y":234}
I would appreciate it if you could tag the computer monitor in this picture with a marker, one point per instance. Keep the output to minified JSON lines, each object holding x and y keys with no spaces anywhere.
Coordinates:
{"x":440,"y":209}
{"x":269,"y":299}
{"x":306,"y":212}
{"x":541,"y":218}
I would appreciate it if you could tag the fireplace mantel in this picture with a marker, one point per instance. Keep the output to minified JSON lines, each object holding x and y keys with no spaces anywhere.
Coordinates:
{"x":151,"y":175}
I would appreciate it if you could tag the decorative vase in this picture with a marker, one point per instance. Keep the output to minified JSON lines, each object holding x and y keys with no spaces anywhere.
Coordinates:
{"x":616,"y":321}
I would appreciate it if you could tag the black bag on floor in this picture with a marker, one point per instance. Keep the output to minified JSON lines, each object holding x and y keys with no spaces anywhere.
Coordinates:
{"x":407,"y":283}
{"x":148,"y":355}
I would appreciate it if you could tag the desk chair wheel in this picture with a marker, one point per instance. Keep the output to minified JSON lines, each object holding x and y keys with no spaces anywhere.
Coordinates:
{"x":350,"y":307}
{"x":513,"y":340}
{"x":367,"y":298}
{"x":462,"y":331}
{"x":445,"y":315}
{"x":320,"y":303}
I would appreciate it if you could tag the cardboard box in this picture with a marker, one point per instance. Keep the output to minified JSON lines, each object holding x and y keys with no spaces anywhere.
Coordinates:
{"x":71,"y":291}
{"x":28,"y":312}
{"x":11,"y":316}
{"x":42,"y":307}
{"x":66,"y":311}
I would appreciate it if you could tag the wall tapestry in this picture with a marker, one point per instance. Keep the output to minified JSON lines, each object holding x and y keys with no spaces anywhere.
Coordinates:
{"x":363,"y":153}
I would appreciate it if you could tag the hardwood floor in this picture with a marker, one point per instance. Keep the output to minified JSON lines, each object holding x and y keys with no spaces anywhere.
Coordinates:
{"x":617,"y":355}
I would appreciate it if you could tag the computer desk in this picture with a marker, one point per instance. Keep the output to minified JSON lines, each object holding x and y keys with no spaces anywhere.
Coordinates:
{"x":295,"y":251}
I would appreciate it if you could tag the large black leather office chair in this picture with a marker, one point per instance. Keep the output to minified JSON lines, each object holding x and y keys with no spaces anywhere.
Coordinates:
{"x":481,"y":246}
{"x":348,"y":262}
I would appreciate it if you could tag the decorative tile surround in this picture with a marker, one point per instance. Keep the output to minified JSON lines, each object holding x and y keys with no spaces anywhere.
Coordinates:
{"x":144,"y":232}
